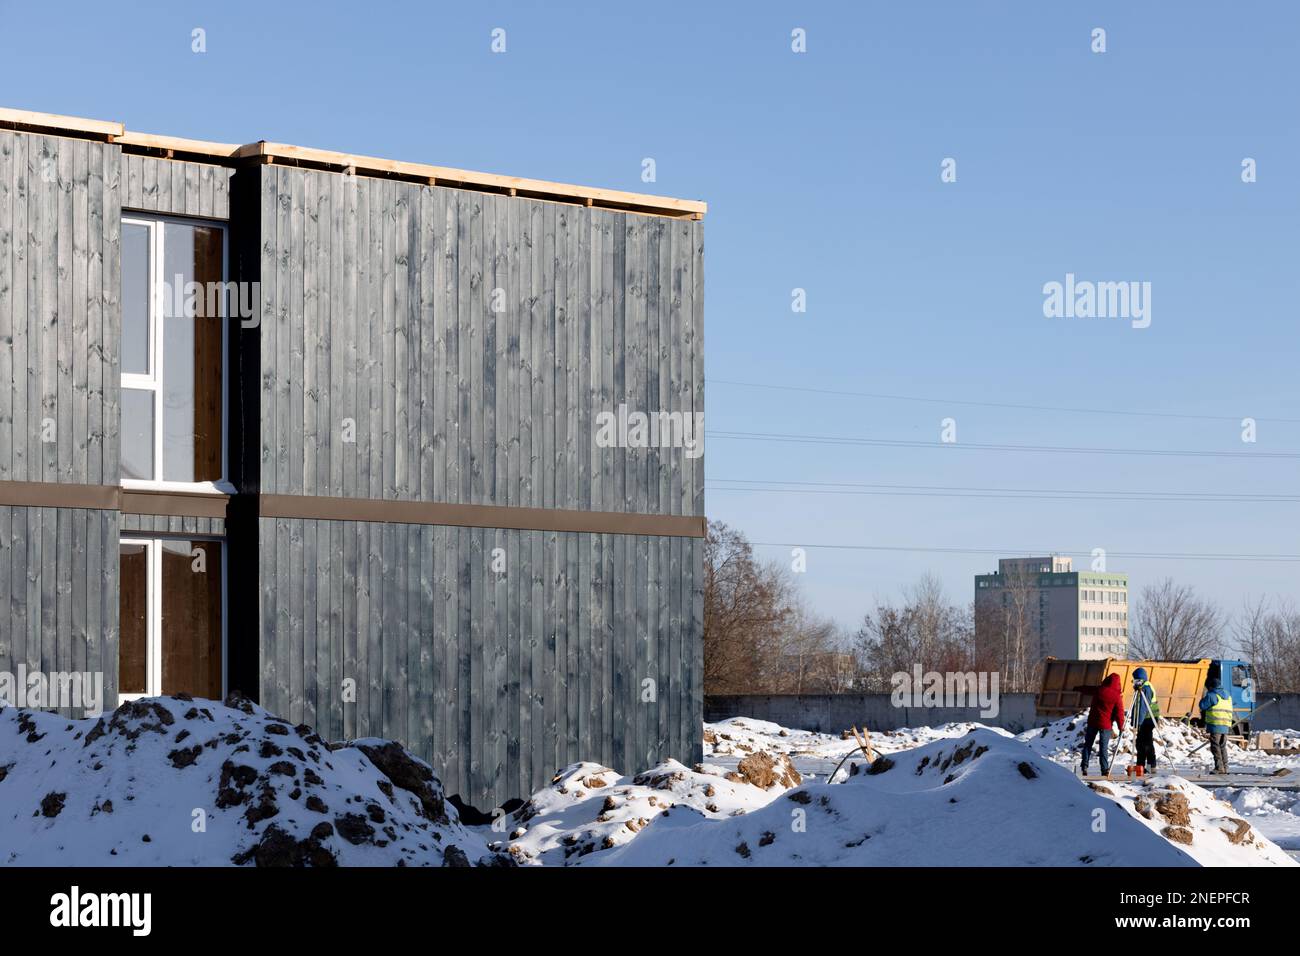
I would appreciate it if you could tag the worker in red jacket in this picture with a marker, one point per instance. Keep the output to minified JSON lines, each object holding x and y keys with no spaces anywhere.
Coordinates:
{"x":1107,"y":710}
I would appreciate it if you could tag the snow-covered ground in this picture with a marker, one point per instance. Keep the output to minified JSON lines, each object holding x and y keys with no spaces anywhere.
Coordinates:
{"x":1272,"y":812}
{"x":591,"y":808}
{"x":170,"y":781}
{"x":957,"y":794}
{"x":1176,"y":744}
{"x":813,"y":754}
{"x":981,"y":799}
{"x":167,"y":781}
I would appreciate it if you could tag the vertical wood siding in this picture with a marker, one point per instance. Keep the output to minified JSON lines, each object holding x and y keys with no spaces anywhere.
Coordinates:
{"x":172,"y":524}
{"x":498,"y":702}
{"x":58,"y":593}
{"x":60,"y":213}
{"x":422,"y":343}
{"x":175,"y":188}
{"x":470,"y":339}
{"x":60,"y":319}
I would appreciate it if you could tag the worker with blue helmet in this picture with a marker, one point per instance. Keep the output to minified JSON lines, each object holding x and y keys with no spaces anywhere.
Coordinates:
{"x":1145,"y":713}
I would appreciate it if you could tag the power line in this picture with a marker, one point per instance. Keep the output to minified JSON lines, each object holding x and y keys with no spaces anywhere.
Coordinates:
{"x":1014,"y":405}
{"x":983,"y":446}
{"x":957,"y":491}
{"x":1003,"y":552}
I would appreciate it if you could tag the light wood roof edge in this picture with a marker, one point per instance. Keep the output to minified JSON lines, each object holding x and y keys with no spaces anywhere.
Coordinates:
{"x":174,"y":144}
{"x":231,"y":154}
{"x":51,"y":121}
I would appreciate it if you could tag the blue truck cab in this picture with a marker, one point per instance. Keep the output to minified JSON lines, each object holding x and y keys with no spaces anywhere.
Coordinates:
{"x":1237,"y":680}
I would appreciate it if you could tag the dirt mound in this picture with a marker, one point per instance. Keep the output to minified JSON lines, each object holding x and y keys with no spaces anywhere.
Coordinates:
{"x":1191,"y":817}
{"x":765,"y":771}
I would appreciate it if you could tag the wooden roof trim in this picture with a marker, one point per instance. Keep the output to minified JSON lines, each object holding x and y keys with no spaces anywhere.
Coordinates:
{"x":56,"y":123}
{"x":537,"y":188}
{"x":231,"y":154}
{"x":174,"y":144}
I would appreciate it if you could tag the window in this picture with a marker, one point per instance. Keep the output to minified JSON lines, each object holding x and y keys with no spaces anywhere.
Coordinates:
{"x":173,"y":354}
{"x":172,"y":635}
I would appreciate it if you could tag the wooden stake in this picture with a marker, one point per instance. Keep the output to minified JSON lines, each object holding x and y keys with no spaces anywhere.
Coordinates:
{"x":864,"y":743}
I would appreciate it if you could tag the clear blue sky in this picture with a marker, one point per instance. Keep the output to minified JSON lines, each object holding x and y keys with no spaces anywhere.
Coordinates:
{"x":822,"y":172}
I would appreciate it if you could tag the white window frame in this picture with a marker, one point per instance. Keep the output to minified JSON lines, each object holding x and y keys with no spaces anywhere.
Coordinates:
{"x":152,"y":381}
{"x":153,"y":608}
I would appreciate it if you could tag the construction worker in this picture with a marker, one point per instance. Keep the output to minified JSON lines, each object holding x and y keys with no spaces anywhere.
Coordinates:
{"x":1146,"y":710}
{"x":1216,"y":711}
{"x":1107,"y":708}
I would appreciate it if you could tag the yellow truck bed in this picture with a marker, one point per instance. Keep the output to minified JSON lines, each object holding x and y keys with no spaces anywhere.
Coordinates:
{"x":1178,"y":684}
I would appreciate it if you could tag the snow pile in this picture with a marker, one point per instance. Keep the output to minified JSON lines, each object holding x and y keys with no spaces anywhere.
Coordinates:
{"x":985,"y":799}
{"x":590,"y":808}
{"x":1262,"y":801}
{"x":814,"y":754}
{"x":1273,"y":812}
{"x":743,"y":735}
{"x":1207,"y":828}
{"x":170,"y":781}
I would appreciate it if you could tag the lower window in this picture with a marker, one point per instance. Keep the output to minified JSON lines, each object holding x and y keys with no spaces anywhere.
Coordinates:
{"x":172,"y":632}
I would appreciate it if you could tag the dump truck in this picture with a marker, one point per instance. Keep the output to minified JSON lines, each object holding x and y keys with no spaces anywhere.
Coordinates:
{"x":1179,"y":685}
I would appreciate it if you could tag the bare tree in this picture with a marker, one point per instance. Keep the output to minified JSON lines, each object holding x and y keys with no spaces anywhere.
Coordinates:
{"x":884,"y":645}
{"x":837,"y":672}
{"x":1169,"y":622}
{"x":746,"y":609}
{"x":1280,"y":664}
{"x":924,"y":630}
{"x":806,"y":640}
{"x":1018,"y":657}
{"x":1249,"y":629}
{"x":1006,"y":640}
{"x":1268,"y":636}
{"x":811,"y":656}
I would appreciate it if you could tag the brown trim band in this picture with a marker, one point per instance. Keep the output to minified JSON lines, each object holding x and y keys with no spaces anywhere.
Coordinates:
{"x":179,"y":504}
{"x":49,"y":494}
{"x":170,"y":504}
{"x":479,"y":516}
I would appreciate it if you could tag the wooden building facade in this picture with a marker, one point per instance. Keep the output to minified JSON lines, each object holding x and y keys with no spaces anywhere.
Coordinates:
{"x":374,"y":499}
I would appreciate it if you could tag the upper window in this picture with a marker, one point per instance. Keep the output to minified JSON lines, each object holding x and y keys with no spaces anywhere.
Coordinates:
{"x":173,"y":352}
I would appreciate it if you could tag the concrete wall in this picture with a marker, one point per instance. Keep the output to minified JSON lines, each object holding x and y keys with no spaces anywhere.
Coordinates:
{"x":1284,"y":715}
{"x":831,"y":713}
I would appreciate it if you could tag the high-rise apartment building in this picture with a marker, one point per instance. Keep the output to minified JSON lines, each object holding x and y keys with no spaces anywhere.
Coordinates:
{"x":1061,"y":612}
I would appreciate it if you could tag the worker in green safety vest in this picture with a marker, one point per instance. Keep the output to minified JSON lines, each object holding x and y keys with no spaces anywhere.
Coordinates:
{"x":1216,"y":711}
